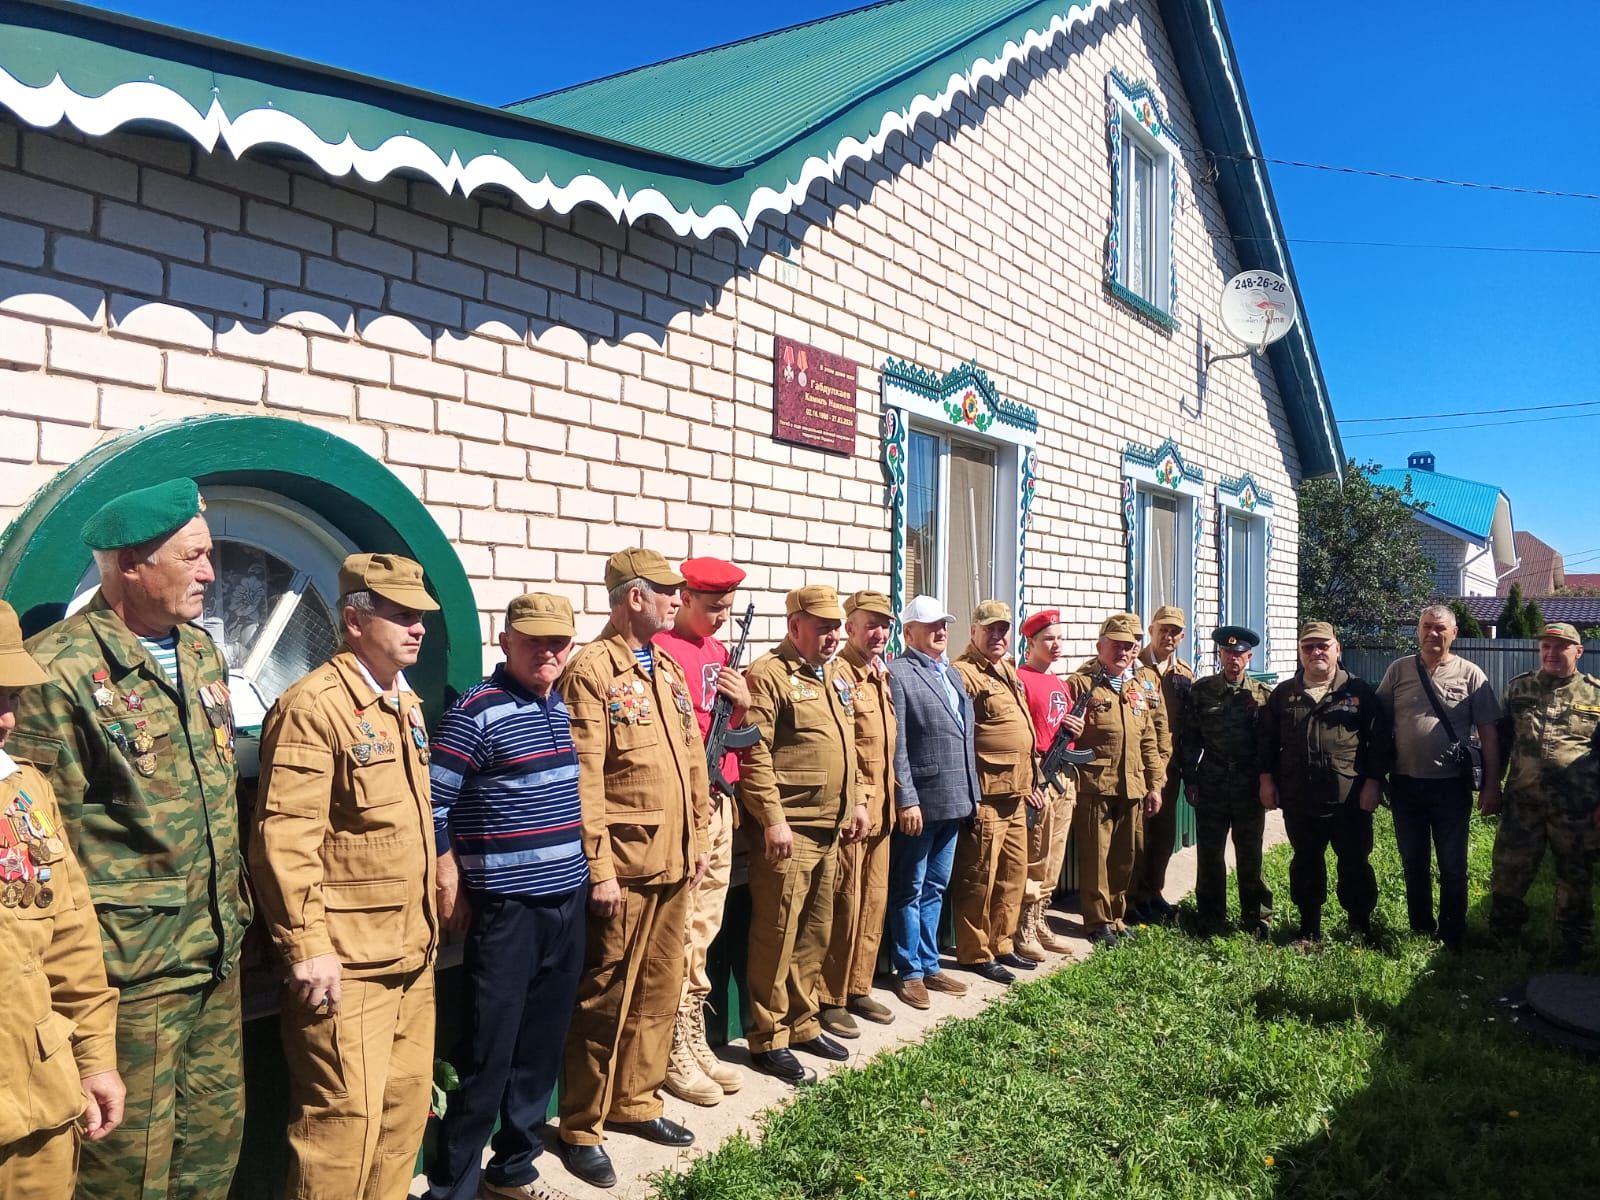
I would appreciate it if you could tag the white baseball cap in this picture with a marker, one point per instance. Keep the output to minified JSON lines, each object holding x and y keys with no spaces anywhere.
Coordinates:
{"x":925,"y":610}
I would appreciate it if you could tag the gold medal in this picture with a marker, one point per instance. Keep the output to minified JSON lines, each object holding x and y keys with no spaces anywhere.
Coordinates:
{"x":145,"y":764}
{"x":11,"y":894}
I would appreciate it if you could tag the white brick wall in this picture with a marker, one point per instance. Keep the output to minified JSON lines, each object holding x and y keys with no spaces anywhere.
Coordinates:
{"x":555,"y":387}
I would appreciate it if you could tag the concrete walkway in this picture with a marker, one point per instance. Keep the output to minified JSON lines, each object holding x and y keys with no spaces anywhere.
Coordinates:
{"x":635,"y":1160}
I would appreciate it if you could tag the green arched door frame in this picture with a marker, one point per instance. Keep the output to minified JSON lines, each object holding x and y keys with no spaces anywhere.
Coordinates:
{"x":42,"y":556}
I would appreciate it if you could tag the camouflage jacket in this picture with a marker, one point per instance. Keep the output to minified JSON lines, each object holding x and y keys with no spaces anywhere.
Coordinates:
{"x":155,"y":829}
{"x":1552,"y":727}
{"x":1217,"y":740}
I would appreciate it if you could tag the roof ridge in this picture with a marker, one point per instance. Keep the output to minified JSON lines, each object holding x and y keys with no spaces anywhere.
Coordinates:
{"x":1424,"y":472}
{"x":661,"y":62}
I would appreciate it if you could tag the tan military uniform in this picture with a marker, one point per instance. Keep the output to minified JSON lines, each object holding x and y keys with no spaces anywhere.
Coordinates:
{"x":60,"y":1013}
{"x":1121,"y":730}
{"x":801,"y":773}
{"x":991,"y":863}
{"x":1167,"y":685}
{"x":861,"y":886}
{"x":343,"y":863}
{"x":646,"y":805}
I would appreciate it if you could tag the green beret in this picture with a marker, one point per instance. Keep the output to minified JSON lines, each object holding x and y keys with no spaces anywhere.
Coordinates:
{"x":134,"y":518}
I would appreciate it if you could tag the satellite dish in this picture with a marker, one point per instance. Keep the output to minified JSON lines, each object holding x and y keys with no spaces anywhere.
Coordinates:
{"x":1258,"y":308}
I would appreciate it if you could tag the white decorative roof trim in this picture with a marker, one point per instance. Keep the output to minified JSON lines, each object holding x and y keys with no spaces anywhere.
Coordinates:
{"x":148,"y":101}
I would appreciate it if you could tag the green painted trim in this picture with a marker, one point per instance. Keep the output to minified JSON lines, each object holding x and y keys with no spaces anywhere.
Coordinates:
{"x":42,"y":556}
{"x":1141,"y":306}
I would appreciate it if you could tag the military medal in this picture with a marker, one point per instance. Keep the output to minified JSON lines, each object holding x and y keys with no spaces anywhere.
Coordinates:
{"x":143,"y":743}
{"x":419,"y":735}
{"x":11,"y":894}
{"x":361,"y":752}
{"x":145,"y":764}
{"x":847,"y":694}
{"x":103,"y":696}
{"x":30,"y":893}
{"x":134,"y":701}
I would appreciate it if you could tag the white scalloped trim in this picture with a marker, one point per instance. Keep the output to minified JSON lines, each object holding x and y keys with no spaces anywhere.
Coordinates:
{"x":148,"y":101}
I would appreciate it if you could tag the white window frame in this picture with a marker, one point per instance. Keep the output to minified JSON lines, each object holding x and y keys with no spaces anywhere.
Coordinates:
{"x":1137,"y":124}
{"x":1004,"y":532}
{"x":1161,"y":472}
{"x":1244,"y":497}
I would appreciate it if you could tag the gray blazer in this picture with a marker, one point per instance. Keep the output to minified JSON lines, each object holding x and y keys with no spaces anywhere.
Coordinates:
{"x":934,"y":765}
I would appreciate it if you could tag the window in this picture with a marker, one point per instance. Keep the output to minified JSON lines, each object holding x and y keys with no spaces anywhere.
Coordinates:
{"x":271,"y":609}
{"x":1244,"y":548}
{"x":1160,"y":509}
{"x":1161,"y":559}
{"x":950,"y":526}
{"x":1139,"y":262}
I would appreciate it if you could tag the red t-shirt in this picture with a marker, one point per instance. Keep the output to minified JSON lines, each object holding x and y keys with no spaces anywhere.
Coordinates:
{"x":1048,"y":703}
{"x":702,"y":659}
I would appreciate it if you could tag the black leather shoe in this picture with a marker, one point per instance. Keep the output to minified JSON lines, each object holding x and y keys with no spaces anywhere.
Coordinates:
{"x":823,"y":1046}
{"x":1017,"y":962}
{"x":1103,"y":935}
{"x":992,"y":971}
{"x":782,"y":1065}
{"x":589,"y":1163}
{"x":660,"y":1130}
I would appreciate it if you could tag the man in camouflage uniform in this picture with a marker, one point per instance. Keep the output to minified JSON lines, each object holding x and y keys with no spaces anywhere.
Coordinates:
{"x":1552,"y":792}
{"x":1217,"y":753}
{"x":135,"y":733}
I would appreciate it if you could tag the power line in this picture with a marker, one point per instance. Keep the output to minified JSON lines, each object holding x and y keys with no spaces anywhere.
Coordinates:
{"x":1369,"y":173}
{"x":1578,"y":250}
{"x":1478,"y":425}
{"x":1467,"y":412}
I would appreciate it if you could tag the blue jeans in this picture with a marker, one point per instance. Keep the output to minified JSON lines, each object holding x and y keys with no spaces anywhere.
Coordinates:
{"x":1442,"y":809}
{"x":919,"y":872}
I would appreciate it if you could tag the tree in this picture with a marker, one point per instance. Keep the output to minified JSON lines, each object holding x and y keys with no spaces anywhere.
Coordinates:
{"x":1520,"y":618}
{"x":1361,"y":560}
{"x":1466,"y":624}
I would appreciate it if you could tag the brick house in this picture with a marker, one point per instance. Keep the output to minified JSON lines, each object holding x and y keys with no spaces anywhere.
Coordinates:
{"x":1012,"y":219}
{"x":1466,"y":526}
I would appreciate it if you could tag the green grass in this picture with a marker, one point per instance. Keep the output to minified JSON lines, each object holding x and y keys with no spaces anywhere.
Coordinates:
{"x":1183,"y":1068}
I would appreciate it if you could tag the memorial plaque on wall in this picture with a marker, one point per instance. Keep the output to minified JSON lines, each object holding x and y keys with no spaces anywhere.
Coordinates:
{"x":813,"y":397}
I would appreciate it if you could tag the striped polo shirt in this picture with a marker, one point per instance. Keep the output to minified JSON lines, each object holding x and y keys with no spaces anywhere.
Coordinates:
{"x":505,"y":790}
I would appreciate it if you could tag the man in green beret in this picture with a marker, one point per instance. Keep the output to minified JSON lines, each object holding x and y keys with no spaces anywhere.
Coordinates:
{"x":135,"y":733}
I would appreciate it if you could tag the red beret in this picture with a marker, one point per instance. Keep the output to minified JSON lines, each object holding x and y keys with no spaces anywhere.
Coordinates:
{"x":711,"y":575}
{"x":1039,"y":620}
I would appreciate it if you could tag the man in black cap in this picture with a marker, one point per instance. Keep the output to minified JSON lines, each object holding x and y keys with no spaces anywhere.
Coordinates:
{"x":1217,"y":755}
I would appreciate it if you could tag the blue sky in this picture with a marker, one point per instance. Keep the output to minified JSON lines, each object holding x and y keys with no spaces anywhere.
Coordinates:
{"x":1477,"y":90}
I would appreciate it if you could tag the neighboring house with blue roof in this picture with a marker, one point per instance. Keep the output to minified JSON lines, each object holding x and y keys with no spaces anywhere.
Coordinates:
{"x":1466,"y":526}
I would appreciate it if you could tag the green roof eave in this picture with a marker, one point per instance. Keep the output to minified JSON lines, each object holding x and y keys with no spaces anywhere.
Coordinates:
{"x":62,"y":62}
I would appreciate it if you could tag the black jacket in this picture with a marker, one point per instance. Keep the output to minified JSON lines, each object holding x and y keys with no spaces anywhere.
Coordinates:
{"x":1320,"y":753}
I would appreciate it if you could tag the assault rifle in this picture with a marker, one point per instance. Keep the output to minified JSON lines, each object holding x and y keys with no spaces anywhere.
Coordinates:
{"x":1064,"y":750}
{"x":719,"y":738}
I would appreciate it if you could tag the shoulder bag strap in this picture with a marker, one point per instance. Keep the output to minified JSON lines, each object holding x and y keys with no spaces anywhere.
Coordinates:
{"x":1433,"y":699}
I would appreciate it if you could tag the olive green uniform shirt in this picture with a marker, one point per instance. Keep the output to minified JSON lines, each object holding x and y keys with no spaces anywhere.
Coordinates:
{"x":803,"y":770}
{"x":159,"y":845}
{"x":1551,"y":733}
{"x":1120,"y":727}
{"x":1219,"y":741}
{"x":1002,"y":733}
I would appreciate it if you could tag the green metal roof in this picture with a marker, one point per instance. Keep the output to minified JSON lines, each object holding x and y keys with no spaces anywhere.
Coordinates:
{"x":737,"y":104}
{"x":714,"y":141}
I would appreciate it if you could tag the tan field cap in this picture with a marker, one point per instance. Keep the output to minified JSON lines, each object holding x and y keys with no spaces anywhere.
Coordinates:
{"x":1169,"y":614}
{"x":989,"y":612}
{"x":1122,"y":627}
{"x":17,"y":668}
{"x":818,"y":600}
{"x":396,"y":579}
{"x":1311,"y":631}
{"x":869,"y":601}
{"x":1562,"y":630}
{"x":640,"y":564}
{"x":539,"y":614}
